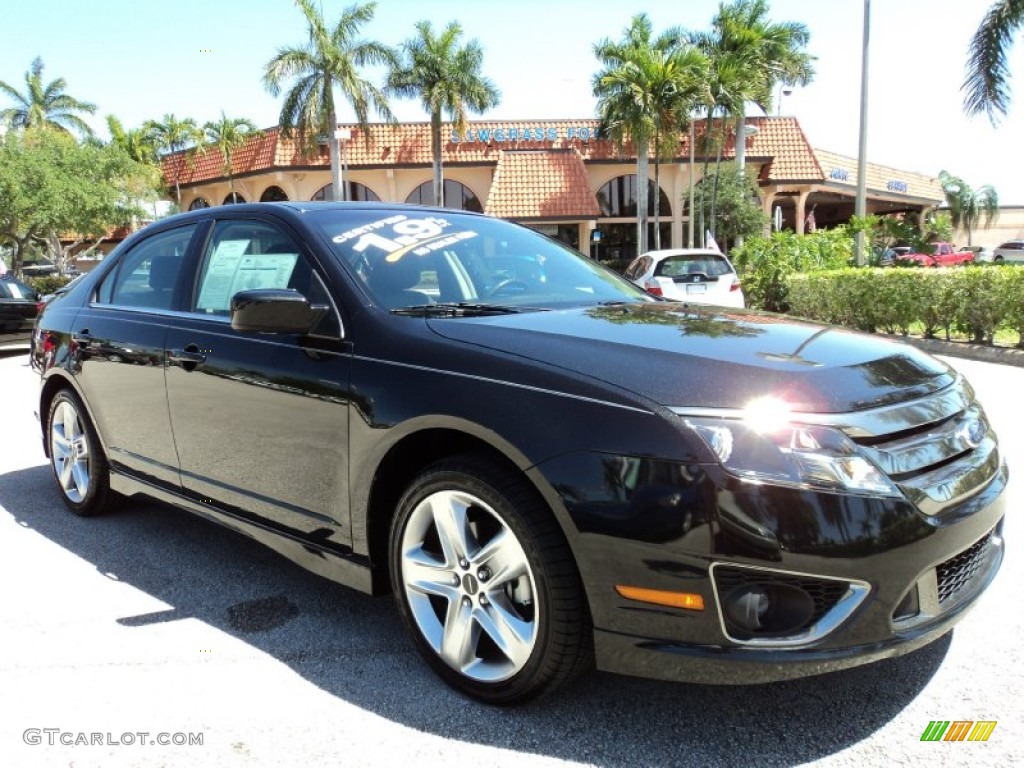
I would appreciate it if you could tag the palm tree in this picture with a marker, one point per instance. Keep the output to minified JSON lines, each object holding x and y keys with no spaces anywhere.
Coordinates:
{"x":967,"y":206}
{"x":447,"y":80}
{"x":644,"y":87}
{"x":988,"y":74}
{"x":764,"y":52}
{"x":678,"y":85}
{"x":175,"y":136}
{"x":135,"y":142}
{"x":227,"y":135}
{"x":331,"y":58}
{"x":44,"y":105}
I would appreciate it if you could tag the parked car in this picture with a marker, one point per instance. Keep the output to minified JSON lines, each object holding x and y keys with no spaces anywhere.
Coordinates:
{"x":982,"y":255}
{"x":547,"y":473}
{"x":19,"y":305}
{"x":39,"y":268}
{"x":694,"y":275}
{"x":883,"y":257}
{"x":1011,"y":250}
{"x":940,"y":255}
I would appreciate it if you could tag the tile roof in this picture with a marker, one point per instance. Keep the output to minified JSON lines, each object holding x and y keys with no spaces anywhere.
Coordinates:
{"x":881,"y":179}
{"x":541,"y":184}
{"x":778,"y":145}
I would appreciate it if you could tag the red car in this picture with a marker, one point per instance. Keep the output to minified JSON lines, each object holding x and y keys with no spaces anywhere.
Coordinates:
{"x":942,"y":255}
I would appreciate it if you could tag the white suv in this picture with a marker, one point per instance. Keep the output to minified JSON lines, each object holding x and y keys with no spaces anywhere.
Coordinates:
{"x":695,"y":275}
{"x":1011,"y":250}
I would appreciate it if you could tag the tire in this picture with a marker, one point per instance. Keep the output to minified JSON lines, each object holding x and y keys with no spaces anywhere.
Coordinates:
{"x":485,"y":583}
{"x":77,"y":460}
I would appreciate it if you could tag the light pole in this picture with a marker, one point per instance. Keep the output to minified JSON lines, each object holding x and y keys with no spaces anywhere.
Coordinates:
{"x":783,"y":91}
{"x":860,"y":208}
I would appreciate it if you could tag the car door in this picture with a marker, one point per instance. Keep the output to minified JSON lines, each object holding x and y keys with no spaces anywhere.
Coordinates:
{"x":119,"y":340}
{"x":261,"y":420}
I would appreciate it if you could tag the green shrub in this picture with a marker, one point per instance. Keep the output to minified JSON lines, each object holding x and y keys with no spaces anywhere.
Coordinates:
{"x":48,"y":283}
{"x":766,"y":264}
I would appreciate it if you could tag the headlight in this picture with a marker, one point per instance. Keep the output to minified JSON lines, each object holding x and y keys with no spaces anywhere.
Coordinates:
{"x":790,"y":454}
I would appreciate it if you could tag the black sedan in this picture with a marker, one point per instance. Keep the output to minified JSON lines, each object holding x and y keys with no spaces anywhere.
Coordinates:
{"x":546,"y":466}
{"x":19,"y":305}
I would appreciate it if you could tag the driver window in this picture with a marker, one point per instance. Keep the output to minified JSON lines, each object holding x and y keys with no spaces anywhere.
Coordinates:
{"x":247,"y":255}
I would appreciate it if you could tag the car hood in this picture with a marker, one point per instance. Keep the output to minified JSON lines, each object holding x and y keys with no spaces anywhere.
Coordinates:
{"x":680,"y":355}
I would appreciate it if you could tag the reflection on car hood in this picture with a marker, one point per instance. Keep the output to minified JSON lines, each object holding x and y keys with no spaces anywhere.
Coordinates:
{"x":681,"y":355}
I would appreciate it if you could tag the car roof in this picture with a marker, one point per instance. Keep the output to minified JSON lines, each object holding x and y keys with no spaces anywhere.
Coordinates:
{"x":683,"y":252}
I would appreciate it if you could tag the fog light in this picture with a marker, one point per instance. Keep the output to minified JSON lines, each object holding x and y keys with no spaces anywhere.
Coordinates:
{"x":769,"y":609}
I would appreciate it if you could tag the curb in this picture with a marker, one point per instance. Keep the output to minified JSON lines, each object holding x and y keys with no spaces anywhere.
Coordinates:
{"x":966,"y":350}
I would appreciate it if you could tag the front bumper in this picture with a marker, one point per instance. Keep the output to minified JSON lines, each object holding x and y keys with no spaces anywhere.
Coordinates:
{"x":680,"y":524}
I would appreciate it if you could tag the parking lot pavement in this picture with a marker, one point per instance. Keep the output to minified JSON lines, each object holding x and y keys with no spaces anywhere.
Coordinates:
{"x":152,"y":621}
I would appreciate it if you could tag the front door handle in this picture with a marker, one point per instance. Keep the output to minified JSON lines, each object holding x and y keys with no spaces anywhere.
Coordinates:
{"x":83,"y":338}
{"x":188,"y":358}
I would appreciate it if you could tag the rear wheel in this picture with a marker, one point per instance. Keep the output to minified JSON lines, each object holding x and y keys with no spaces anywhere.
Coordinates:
{"x":485,"y":583}
{"x":76,"y":458}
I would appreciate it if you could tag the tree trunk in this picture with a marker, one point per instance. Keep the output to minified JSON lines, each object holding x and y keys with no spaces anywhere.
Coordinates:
{"x":657,"y":189}
{"x":337,"y":180}
{"x":741,"y":149}
{"x":435,"y":151}
{"x":642,"y":173}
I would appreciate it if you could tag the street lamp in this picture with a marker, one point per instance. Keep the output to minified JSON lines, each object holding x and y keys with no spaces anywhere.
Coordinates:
{"x":784,"y":90}
{"x":860,"y":208}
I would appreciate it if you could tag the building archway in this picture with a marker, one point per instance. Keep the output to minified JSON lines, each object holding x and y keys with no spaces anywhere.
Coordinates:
{"x":456,"y":195}
{"x":198,"y":203}
{"x":617,"y":225}
{"x":233,"y":198}
{"x":357,"y":192}
{"x":273,"y":194}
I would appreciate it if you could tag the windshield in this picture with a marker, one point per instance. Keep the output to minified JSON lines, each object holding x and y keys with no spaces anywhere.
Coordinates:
{"x":414,"y":257}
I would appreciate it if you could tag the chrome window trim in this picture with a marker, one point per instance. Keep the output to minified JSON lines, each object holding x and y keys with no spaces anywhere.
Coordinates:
{"x":857,"y":591}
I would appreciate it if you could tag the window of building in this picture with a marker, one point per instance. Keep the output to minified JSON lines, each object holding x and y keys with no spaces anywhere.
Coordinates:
{"x":233,"y":198}
{"x":617,"y":198}
{"x":273,"y":195}
{"x":357,"y":192}
{"x":199,"y":202}
{"x":456,"y":195}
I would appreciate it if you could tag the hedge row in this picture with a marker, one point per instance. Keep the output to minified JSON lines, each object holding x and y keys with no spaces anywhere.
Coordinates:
{"x":973,"y":301}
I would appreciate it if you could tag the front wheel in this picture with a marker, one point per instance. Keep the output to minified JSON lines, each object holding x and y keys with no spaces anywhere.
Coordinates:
{"x":76,"y":457}
{"x":485,"y":583}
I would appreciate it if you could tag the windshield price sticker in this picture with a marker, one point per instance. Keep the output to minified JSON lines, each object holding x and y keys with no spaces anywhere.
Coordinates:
{"x":419,"y":236}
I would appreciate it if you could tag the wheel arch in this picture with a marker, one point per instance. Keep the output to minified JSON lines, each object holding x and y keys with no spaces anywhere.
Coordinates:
{"x":407,"y":456}
{"x":54,"y":382}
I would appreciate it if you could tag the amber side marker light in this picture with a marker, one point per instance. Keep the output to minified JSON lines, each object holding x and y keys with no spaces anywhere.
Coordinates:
{"x":688,"y":600}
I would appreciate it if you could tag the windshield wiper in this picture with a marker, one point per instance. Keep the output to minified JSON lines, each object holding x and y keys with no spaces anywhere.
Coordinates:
{"x":455,"y":309}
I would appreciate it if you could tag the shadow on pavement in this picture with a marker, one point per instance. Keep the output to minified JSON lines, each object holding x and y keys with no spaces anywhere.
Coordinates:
{"x":353,"y":647}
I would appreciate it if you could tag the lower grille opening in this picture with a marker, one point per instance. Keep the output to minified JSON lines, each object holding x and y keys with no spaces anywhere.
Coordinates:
{"x":957,"y":572}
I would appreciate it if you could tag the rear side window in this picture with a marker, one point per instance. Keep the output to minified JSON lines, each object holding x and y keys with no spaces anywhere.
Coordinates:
{"x":638,"y":267}
{"x":12,"y":289}
{"x":147,"y":275}
{"x":703,"y":263}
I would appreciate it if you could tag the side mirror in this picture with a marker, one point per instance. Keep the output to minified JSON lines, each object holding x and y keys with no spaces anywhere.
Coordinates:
{"x":274,"y":310}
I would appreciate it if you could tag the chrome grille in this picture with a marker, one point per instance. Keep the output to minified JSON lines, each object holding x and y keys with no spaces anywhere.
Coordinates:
{"x":957,"y":572}
{"x":939,"y":450}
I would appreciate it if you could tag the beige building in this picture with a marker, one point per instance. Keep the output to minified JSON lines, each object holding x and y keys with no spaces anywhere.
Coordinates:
{"x":558,"y":176}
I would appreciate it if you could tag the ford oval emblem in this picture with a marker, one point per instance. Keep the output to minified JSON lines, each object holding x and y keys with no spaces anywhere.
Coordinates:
{"x":973,"y":432}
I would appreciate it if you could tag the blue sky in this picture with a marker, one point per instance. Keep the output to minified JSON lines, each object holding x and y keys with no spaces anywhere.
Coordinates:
{"x":139,"y":60}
